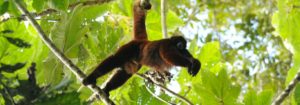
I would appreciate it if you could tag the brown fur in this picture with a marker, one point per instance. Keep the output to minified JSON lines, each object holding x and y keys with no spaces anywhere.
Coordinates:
{"x":139,"y":17}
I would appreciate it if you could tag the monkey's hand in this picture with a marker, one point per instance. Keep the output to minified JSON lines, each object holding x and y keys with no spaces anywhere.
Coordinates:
{"x":89,"y":80}
{"x":145,"y":4}
{"x":194,"y":68}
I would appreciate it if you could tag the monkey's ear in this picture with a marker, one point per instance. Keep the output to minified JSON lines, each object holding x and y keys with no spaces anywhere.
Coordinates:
{"x":145,"y":4}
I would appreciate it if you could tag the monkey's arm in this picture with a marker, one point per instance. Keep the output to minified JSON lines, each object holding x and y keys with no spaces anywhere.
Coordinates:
{"x":140,"y":8}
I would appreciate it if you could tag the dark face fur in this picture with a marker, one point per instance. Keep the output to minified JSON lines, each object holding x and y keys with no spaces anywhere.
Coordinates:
{"x":180,"y":43}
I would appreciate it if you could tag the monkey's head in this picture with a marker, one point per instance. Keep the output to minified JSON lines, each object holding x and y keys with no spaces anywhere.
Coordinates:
{"x":180,"y":44}
{"x":143,"y":4}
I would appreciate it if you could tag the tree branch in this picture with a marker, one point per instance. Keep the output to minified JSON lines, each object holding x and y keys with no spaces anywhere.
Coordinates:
{"x":79,"y":74}
{"x":163,"y":18}
{"x":288,"y":90}
{"x":168,"y":90}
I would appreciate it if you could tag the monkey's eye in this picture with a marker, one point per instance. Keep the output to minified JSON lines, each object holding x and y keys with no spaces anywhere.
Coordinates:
{"x":180,"y":45}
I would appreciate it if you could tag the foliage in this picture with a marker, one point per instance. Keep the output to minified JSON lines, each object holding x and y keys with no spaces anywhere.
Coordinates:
{"x":249,"y":50}
{"x":286,"y":19}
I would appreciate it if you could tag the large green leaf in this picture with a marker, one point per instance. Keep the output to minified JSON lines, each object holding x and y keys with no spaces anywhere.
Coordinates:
{"x":68,"y":33}
{"x":123,"y":7}
{"x":287,"y":22}
{"x":297,"y":94}
{"x":3,"y":7}
{"x":173,"y":21}
{"x":12,"y":9}
{"x":66,"y":98}
{"x":18,"y":45}
{"x":153,"y":24}
{"x":252,"y":97}
{"x":59,"y":4}
{"x":217,"y":89}
{"x":210,"y":54}
{"x":39,"y":5}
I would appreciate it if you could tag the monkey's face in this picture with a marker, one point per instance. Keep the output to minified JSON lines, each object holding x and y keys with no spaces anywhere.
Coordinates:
{"x":180,"y":44}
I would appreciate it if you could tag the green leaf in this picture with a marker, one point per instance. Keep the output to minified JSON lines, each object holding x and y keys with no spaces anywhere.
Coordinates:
{"x":217,"y":89}
{"x":250,"y":98}
{"x":68,"y":33}
{"x":194,"y":47}
{"x":265,"y":97}
{"x":123,"y":7}
{"x":173,"y":21}
{"x":297,"y":94}
{"x":39,"y":5}
{"x":60,"y":4}
{"x":153,"y":25}
{"x":262,"y":98}
{"x":94,"y":11}
{"x":4,"y":7}
{"x":52,"y":70}
{"x":14,"y":46}
{"x":287,"y":22}
{"x":71,"y":98}
{"x":210,"y":54}
{"x":12,"y":9}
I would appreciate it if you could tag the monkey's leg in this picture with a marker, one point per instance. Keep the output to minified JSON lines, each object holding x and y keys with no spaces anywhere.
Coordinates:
{"x":124,"y":54}
{"x":117,"y":80}
{"x":106,"y":66}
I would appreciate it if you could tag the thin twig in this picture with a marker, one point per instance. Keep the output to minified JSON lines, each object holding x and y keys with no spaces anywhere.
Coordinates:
{"x":186,"y":92}
{"x":288,"y":90}
{"x":157,"y":97}
{"x":163,"y":18}
{"x":168,"y":90}
{"x":67,"y":62}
